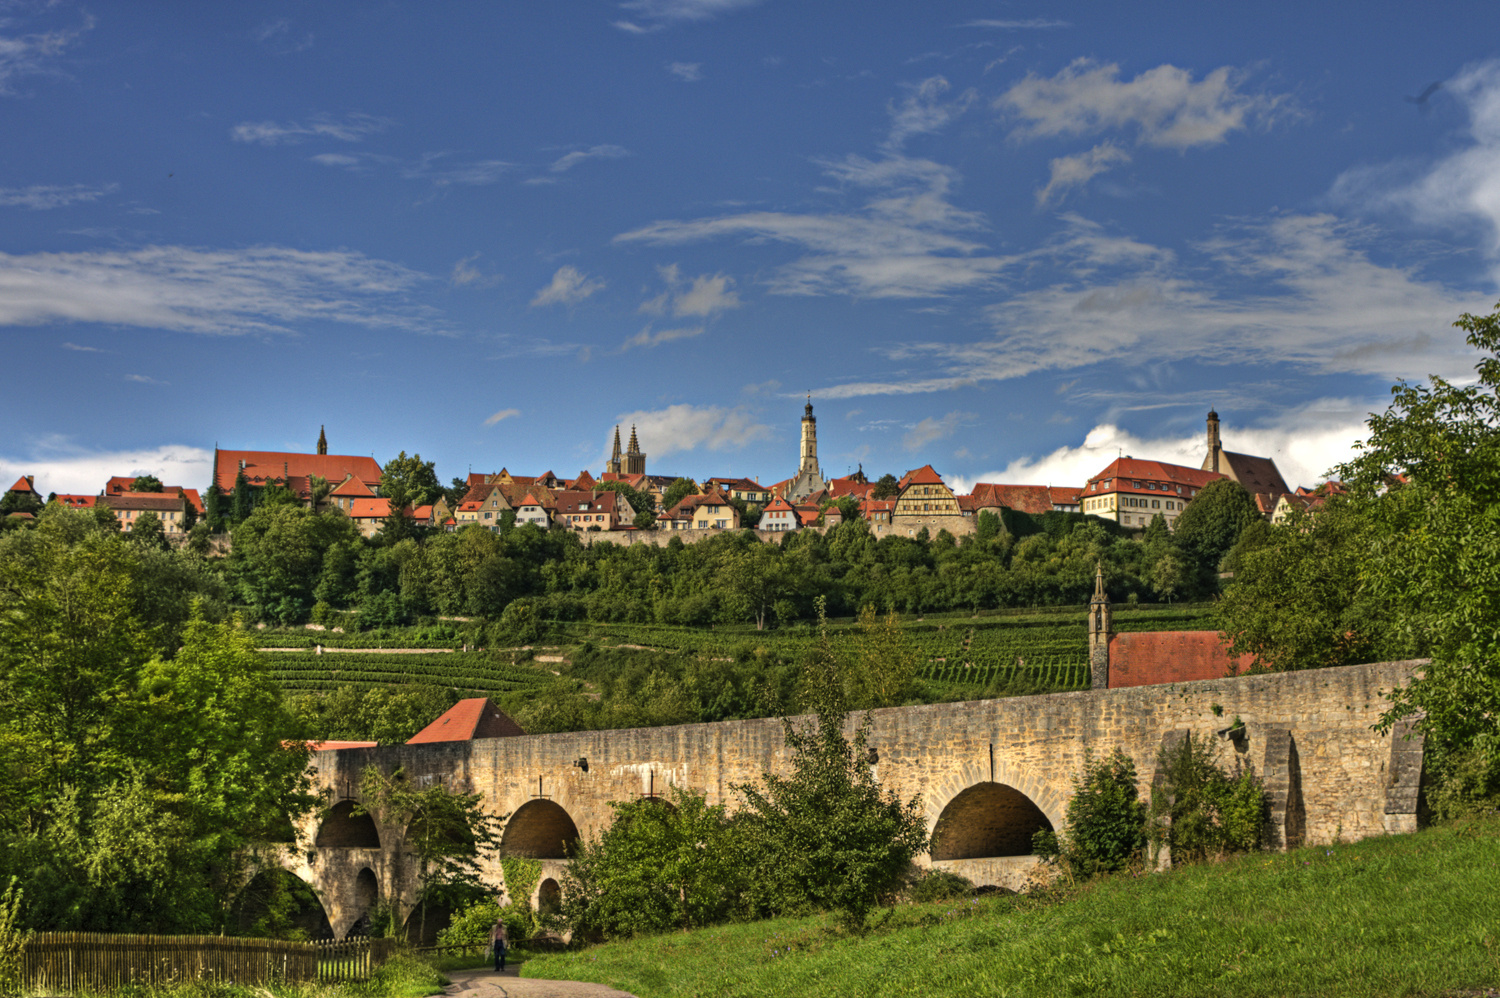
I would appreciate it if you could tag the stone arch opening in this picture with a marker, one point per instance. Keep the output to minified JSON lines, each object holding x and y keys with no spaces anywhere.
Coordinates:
{"x":540,"y":829}
{"x":987,"y":819}
{"x":363,"y":899}
{"x":549,"y":898}
{"x":343,"y":829}
{"x":278,"y":903}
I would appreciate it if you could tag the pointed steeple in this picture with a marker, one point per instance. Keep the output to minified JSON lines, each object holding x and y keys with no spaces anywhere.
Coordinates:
{"x":322,"y":441}
{"x":635,"y":447}
{"x":613,"y":467}
{"x":635,"y":461}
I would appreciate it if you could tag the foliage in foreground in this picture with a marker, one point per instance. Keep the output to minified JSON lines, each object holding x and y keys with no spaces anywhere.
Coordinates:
{"x":1397,"y":915}
{"x":1200,"y":811}
{"x":1106,"y":819}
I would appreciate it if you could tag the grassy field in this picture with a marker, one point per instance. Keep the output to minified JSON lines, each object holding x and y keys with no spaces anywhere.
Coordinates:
{"x":1403,"y":915}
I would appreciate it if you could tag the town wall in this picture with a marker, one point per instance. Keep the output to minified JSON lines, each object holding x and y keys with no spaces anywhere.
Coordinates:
{"x":1308,"y":734}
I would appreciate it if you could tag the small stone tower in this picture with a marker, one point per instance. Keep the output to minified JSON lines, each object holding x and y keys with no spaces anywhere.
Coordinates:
{"x":322,"y":441}
{"x":613,"y":467}
{"x":1214,"y":446}
{"x":635,"y":461}
{"x":1100,"y":626}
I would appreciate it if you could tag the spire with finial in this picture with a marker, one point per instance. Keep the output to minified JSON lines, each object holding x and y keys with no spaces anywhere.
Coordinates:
{"x":1099,"y":583}
{"x":322,"y":441}
{"x":613,"y":467}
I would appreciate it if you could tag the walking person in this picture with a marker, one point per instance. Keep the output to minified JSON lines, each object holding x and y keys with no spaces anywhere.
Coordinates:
{"x":499,"y":943}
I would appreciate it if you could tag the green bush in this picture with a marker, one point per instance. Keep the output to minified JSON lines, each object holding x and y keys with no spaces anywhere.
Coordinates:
{"x":939,"y":885}
{"x":1464,"y":783}
{"x":1106,"y":819}
{"x":1200,"y":810}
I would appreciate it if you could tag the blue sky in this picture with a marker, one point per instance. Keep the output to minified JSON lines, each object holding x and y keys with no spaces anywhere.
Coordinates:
{"x":1008,"y":239}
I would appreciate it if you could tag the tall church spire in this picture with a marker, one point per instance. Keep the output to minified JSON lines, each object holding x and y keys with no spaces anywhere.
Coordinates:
{"x":613,"y":467}
{"x":322,"y":441}
{"x":635,"y":461}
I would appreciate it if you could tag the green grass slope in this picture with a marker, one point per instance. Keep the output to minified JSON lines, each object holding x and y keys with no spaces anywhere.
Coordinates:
{"x":1403,"y":915}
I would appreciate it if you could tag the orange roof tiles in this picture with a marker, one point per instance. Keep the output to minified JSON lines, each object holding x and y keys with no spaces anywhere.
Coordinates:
{"x":924,"y":475}
{"x":1124,"y":472}
{"x":371,"y":507}
{"x":466,"y":721}
{"x":78,"y":502}
{"x":262,"y":467}
{"x":352,"y":486}
{"x":23,"y":484}
{"x":334,"y":746}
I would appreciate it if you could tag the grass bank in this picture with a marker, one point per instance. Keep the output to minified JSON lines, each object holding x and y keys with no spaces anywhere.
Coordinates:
{"x":1404,"y":915}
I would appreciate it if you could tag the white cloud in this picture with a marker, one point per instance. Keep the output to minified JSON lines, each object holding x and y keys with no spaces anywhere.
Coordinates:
{"x":465,"y":274}
{"x":922,"y":111}
{"x":659,"y":14}
{"x":647,"y":338}
{"x":684,"y":427}
{"x":1035,"y":23}
{"x":931,"y":429}
{"x":1319,"y":304}
{"x":478,"y":173}
{"x":572,"y":159}
{"x":142,"y":379}
{"x":569,"y":286}
{"x":1462,"y":187}
{"x":1075,"y":171}
{"x":503,"y":414}
{"x":31,"y":54}
{"x":81,"y":349}
{"x":60,"y":466}
{"x":1305,"y":442}
{"x":40,"y":197}
{"x":351,"y":128}
{"x":1165,"y":106}
{"x":689,"y":72}
{"x":907,"y":241}
{"x":260,"y":289}
{"x":705,"y":297}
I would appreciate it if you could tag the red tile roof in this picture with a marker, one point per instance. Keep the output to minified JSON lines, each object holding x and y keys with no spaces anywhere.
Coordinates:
{"x":1033,"y":499}
{"x":808,"y":516}
{"x":597,"y":502}
{"x":78,"y":502}
{"x":144,"y":501}
{"x":840,"y":487}
{"x":1256,"y":474}
{"x":352,"y":486}
{"x":262,"y":467}
{"x":924,"y":475}
{"x":1123,"y":472}
{"x":375,"y":506}
{"x":1065,"y":496}
{"x":20,"y":516}
{"x":23,"y":484}
{"x":334,"y":746}
{"x":465,"y":721}
{"x":583,"y":483}
{"x":420,"y":513}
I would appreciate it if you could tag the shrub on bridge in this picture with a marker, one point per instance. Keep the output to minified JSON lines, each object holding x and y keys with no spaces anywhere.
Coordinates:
{"x":1199,"y":810}
{"x":1106,"y":819}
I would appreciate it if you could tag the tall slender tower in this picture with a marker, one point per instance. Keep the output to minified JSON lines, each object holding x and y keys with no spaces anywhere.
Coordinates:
{"x":322,"y":441}
{"x":1100,"y":626}
{"x":635,"y":461}
{"x":1214,"y":447}
{"x":613,"y":467}
{"x":810,"y":442}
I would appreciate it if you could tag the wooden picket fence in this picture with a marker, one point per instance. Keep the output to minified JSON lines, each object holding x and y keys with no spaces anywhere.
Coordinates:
{"x":74,"y":962}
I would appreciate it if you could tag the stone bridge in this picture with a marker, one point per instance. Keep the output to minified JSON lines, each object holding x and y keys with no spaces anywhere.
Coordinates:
{"x":990,"y":773}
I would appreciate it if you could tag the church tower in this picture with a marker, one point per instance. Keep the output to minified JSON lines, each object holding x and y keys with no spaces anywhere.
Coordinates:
{"x":635,"y":461}
{"x":809,"y":476}
{"x":1214,"y":446}
{"x":613,"y":467}
{"x":1100,"y":626}
{"x":322,"y":441}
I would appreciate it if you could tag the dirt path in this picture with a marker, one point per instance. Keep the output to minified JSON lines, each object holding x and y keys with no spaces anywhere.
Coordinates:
{"x":488,"y":984}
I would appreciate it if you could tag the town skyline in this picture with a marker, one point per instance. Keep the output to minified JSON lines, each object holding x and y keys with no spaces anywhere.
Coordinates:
{"x":1009,"y":242}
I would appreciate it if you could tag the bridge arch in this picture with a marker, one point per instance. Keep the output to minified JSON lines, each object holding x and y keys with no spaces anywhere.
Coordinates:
{"x":362,"y":901}
{"x":540,"y":829}
{"x":987,"y":820}
{"x":277,"y":901}
{"x":549,"y":897}
{"x":1046,"y":796}
{"x":343,"y":829}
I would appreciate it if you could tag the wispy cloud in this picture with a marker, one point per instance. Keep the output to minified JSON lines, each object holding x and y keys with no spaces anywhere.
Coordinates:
{"x":441,"y":172}
{"x":142,"y":379}
{"x":690,"y":72}
{"x":33,"y":53}
{"x":923,"y":110}
{"x":465,"y":274}
{"x":83,"y":349}
{"x":568,"y":287}
{"x":260,"y":289}
{"x":647,"y":338}
{"x":939,"y":428}
{"x":1164,"y":106}
{"x":281,"y":39}
{"x":704,"y":296}
{"x":655,"y":15}
{"x":680,"y":428}
{"x":61,"y":466}
{"x":1029,"y":24}
{"x":1075,"y":171}
{"x":503,"y":414}
{"x":572,"y":159}
{"x":40,"y":197}
{"x":354,"y":127}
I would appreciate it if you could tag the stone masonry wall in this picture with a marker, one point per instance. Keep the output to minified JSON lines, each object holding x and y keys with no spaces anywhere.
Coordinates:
{"x":1308,"y":732}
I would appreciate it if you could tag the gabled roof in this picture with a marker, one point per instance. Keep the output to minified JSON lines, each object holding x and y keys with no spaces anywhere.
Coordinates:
{"x":23,"y":484}
{"x":144,"y":500}
{"x":78,"y":502}
{"x":778,"y":505}
{"x":807,"y":517}
{"x":1126,"y":470}
{"x":1256,"y":474}
{"x":353,"y":487}
{"x":868,"y":506}
{"x":263,"y":466}
{"x":924,"y":475}
{"x":421,"y":512}
{"x":583,"y":483}
{"x":598,"y":502}
{"x":851,"y":486}
{"x":1065,"y":495}
{"x":466,"y":721}
{"x":375,"y":506}
{"x":1033,"y":499}
{"x":529,"y":500}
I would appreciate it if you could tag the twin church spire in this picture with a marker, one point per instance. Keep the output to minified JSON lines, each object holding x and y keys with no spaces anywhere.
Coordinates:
{"x":633,"y":461}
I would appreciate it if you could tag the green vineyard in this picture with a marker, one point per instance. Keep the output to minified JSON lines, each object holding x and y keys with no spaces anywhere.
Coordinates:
{"x":476,"y":672}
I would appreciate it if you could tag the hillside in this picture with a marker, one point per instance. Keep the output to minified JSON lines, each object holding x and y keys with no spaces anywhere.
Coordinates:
{"x":1403,"y":915}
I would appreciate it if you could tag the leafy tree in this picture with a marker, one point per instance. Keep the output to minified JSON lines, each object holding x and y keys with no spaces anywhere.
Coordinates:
{"x":675,"y":492}
{"x":1200,"y":811}
{"x":827,"y":836}
{"x":147,"y":531}
{"x":659,"y":865}
{"x":753,"y":579}
{"x":146,"y":483}
{"x":241,"y":502}
{"x":20,"y":502}
{"x":276,"y":560}
{"x":644,"y":520}
{"x":887,"y":487}
{"x":449,"y":833}
{"x":1106,"y":818}
{"x":1213,"y":521}
{"x":881,"y":668}
{"x":409,"y":481}
{"x":456,"y":490}
{"x":213,"y":508}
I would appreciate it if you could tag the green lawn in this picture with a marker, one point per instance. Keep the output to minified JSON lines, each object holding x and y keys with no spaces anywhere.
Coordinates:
{"x":1405,"y":915}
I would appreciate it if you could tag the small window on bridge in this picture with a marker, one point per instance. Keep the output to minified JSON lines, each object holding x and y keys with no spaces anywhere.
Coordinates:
{"x":988,"y":819}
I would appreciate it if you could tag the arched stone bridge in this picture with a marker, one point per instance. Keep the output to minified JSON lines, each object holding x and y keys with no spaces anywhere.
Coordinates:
{"x":990,"y":773}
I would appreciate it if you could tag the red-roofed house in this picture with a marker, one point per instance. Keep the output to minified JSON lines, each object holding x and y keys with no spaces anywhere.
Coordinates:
{"x":854,"y":485}
{"x":121,"y":483}
{"x":739,"y":488}
{"x":349,"y":490}
{"x":922,"y":493}
{"x":878,"y":512}
{"x":466,"y":721}
{"x":1133,"y":490}
{"x":294,"y":471}
{"x":77,"y":502}
{"x":25,"y":485}
{"x":531,"y":510}
{"x":1066,"y":500}
{"x":779,"y":515}
{"x":703,"y":512}
{"x":169,"y":508}
{"x":592,"y":510}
